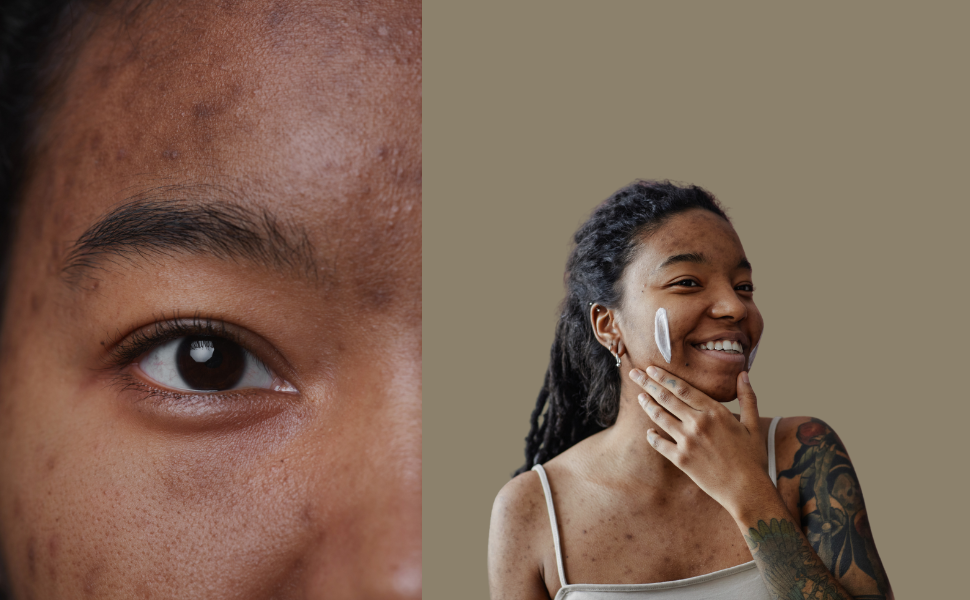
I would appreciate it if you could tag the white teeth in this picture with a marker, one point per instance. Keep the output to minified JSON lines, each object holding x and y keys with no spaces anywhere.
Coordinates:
{"x":723,"y":346}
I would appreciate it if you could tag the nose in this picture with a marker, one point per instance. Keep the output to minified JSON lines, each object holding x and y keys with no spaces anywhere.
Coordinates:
{"x":727,"y":304}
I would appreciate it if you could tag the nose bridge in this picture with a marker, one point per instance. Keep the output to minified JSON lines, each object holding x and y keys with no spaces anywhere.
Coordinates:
{"x":370,"y":542}
{"x":726,"y":302}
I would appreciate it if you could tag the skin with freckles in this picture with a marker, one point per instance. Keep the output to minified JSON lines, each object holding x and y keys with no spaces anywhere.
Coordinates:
{"x":678,"y":486}
{"x":114,"y":486}
{"x":725,"y":307}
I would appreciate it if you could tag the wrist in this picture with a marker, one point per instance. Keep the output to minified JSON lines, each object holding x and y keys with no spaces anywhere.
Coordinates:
{"x":757,"y":500}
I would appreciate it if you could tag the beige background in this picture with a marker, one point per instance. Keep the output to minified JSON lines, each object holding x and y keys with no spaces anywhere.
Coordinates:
{"x":836,"y":135}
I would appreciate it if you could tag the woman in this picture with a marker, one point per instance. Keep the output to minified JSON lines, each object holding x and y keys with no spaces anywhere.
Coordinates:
{"x":210,"y":353}
{"x":638,"y":482}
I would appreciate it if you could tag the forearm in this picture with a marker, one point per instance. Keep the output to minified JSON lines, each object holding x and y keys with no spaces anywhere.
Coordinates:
{"x":790,"y":567}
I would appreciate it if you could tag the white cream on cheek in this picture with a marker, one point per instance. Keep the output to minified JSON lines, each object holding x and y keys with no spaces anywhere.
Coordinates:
{"x":751,"y":356}
{"x":661,"y":333}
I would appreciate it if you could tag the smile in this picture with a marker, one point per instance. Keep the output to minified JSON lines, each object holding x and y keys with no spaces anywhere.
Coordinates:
{"x":726,"y":346}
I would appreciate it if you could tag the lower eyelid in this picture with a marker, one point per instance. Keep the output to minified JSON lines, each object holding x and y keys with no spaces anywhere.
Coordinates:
{"x":187,"y":412}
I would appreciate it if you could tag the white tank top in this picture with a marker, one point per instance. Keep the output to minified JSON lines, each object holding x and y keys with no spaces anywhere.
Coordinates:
{"x":743,"y":581}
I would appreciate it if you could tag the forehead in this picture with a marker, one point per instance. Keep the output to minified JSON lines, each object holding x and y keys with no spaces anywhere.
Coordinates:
{"x":695,"y":231}
{"x":311,"y":112}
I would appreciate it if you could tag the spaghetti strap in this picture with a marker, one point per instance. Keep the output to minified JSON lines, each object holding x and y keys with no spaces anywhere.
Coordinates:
{"x":552,"y":519}
{"x":772,"y":467}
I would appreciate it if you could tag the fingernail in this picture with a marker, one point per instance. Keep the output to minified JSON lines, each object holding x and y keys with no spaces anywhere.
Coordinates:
{"x":642,"y":398}
{"x":635,"y":374}
{"x":651,"y":435}
{"x":653,"y":372}
{"x":744,"y":377}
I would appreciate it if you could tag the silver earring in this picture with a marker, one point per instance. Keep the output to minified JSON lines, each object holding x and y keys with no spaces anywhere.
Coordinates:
{"x":617,"y":356}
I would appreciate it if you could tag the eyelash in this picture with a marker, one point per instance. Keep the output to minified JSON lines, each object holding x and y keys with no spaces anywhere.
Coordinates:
{"x":142,"y":341}
{"x":133,"y":348}
{"x":745,"y":285}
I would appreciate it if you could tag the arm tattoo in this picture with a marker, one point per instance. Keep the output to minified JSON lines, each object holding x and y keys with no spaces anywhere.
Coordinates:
{"x":833,"y":513}
{"x":788,"y":565}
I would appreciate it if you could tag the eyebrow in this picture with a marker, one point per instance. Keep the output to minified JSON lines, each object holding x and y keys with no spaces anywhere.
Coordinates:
{"x":696,"y":257}
{"x":156,"y":225}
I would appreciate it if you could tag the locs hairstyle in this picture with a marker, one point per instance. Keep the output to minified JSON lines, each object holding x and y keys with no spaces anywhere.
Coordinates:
{"x":581,"y":391}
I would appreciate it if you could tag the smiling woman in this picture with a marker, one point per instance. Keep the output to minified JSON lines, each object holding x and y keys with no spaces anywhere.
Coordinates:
{"x":210,"y":354}
{"x":638,"y":481}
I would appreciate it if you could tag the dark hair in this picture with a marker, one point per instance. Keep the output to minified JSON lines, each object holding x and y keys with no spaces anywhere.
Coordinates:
{"x":581,"y":390}
{"x":28,"y":31}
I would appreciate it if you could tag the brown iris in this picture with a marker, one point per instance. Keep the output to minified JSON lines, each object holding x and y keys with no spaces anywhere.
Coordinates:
{"x":210,"y":364}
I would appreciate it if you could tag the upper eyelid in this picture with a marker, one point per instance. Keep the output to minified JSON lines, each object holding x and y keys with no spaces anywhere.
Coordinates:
{"x":130,"y":347}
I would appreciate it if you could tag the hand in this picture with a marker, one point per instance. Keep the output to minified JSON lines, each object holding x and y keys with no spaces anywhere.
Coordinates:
{"x":725,"y":458}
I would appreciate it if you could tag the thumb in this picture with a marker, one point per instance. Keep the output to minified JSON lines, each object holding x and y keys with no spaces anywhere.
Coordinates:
{"x":748,"y":402}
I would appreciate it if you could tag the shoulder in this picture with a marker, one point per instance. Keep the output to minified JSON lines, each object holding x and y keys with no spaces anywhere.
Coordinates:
{"x":795,"y":434}
{"x":519,"y":501}
{"x":516,"y":538}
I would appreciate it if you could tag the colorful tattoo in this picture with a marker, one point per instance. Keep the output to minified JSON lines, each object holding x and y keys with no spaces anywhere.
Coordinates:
{"x":833,"y":513}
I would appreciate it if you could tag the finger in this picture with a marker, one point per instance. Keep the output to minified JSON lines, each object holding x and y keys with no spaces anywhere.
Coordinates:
{"x":748,"y":402}
{"x":664,"y":420}
{"x":667,"y":399}
{"x":688,"y":394}
{"x":665,"y":447}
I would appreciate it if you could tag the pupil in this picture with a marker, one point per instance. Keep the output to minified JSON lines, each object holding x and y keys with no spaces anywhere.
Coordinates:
{"x":208,"y":363}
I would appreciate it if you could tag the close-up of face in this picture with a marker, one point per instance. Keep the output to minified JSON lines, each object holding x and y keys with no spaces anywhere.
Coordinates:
{"x":694,"y":267}
{"x":211,"y":341}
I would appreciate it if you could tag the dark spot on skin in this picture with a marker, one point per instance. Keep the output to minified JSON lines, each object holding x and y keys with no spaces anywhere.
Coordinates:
{"x":276,"y":16}
{"x":206,"y":110}
{"x":51,"y":463}
{"x":91,"y":580}
{"x":629,"y":536}
{"x":32,"y":558}
{"x":584,"y":531}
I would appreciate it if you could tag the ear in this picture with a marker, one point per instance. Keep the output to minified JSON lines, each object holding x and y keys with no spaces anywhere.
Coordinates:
{"x":606,"y":328}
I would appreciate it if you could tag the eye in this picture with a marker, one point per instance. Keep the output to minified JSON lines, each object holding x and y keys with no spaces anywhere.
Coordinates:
{"x":687,"y":283}
{"x":203,"y":363}
{"x":745,"y":287}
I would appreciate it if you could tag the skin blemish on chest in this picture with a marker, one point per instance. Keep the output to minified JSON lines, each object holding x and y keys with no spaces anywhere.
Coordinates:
{"x":32,"y":557}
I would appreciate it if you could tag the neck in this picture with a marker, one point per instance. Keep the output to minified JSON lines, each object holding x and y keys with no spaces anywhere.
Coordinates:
{"x":625,"y":446}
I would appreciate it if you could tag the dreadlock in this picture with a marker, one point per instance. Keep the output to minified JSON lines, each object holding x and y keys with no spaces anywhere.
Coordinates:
{"x":580,"y":394}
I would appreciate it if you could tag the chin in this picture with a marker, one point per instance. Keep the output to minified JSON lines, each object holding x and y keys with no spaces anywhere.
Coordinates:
{"x":722,"y":391}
